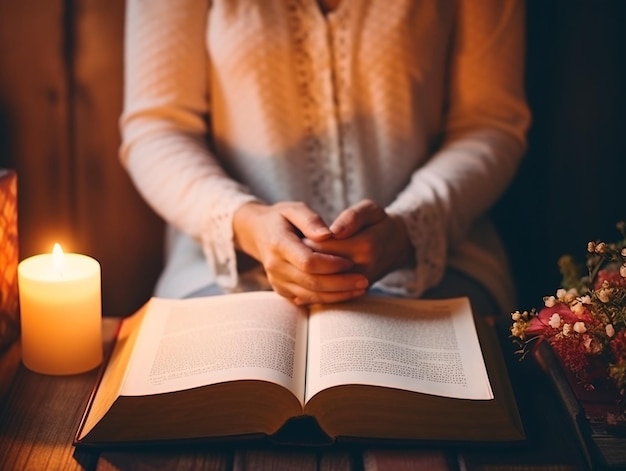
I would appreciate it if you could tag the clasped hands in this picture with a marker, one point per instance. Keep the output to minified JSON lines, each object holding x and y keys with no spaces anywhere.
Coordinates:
{"x":309,"y":262}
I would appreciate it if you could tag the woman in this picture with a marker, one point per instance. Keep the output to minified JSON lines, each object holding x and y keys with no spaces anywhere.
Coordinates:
{"x":325,"y":148}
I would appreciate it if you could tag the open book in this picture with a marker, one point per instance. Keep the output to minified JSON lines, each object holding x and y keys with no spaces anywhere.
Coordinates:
{"x":248,"y":364}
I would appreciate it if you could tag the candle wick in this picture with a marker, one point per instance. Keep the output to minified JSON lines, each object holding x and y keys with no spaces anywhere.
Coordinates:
{"x":58,"y":261}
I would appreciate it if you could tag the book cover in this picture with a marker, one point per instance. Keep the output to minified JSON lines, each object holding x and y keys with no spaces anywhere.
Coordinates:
{"x":9,"y":320}
{"x":602,"y":447}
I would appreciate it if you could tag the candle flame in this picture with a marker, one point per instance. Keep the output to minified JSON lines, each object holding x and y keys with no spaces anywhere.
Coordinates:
{"x":58,"y":260}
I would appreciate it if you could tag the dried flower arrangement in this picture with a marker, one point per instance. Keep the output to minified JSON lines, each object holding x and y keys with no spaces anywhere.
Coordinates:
{"x":585,"y":321}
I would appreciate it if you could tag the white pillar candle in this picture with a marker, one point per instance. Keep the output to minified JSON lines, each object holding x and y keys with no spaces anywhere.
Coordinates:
{"x":60,"y":313}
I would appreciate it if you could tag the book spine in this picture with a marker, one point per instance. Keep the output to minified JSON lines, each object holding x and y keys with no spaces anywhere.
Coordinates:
{"x":548,"y":362}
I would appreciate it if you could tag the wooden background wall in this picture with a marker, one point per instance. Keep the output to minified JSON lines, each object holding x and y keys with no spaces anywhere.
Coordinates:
{"x":60,"y":98}
{"x":570,"y":188}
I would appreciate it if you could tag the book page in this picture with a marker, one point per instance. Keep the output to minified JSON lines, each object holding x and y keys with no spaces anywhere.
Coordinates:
{"x":424,"y":346}
{"x":186,"y":343}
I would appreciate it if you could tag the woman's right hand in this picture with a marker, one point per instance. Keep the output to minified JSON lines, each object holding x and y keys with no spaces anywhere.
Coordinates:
{"x":273,"y":234}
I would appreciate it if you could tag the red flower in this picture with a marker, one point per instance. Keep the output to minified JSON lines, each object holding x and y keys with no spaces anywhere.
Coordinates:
{"x":618,"y":344}
{"x":573,"y":356}
{"x":612,"y":276}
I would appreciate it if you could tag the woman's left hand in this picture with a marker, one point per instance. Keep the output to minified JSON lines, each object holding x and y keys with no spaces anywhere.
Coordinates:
{"x":376,"y":242}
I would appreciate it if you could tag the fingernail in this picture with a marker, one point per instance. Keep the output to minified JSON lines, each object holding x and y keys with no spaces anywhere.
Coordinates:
{"x":337,"y":228}
{"x":323,"y":231}
{"x":362,"y":283}
{"x":300,"y":302}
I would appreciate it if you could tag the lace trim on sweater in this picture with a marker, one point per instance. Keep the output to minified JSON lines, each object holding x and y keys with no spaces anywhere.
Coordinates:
{"x":218,"y":239}
{"x":344,"y":103}
{"x":324,"y":136}
{"x":314,"y":145}
{"x":426,"y":228}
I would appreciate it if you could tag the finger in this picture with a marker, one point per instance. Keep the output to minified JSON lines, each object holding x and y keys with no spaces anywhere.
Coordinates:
{"x":327,"y":298}
{"x":345,"y":248}
{"x":303,"y":296}
{"x":328,"y":284}
{"x":307,"y":221}
{"x":357,"y":217}
{"x":307,"y":261}
{"x":288,"y":279}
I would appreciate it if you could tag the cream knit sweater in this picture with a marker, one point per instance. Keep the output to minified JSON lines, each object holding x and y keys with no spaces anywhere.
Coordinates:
{"x":418,"y":105}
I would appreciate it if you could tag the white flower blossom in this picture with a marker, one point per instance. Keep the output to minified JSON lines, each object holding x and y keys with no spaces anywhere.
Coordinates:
{"x":555,"y":321}
{"x":577,"y":307}
{"x":586,"y":299}
{"x":517,"y":330}
{"x":610,"y":330}
{"x":580,"y":328}
{"x":549,"y":301}
{"x":604,"y":294}
{"x":516,"y":316}
{"x":561,"y":293}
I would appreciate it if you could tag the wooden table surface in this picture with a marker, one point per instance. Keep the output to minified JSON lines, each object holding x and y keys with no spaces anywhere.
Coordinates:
{"x":39,"y":416}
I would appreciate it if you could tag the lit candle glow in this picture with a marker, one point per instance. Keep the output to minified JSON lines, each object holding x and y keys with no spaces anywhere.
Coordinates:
{"x":60,"y":312}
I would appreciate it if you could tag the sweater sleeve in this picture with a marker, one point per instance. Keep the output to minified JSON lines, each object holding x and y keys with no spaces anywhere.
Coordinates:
{"x":164,"y":127}
{"x":484,"y":135}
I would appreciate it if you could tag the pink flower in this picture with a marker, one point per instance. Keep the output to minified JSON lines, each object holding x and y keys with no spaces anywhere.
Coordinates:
{"x":539,"y":323}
